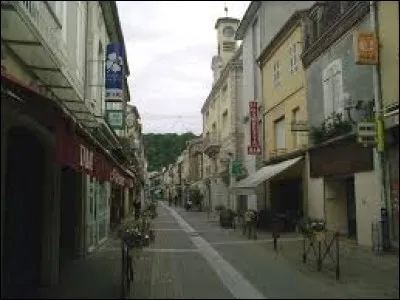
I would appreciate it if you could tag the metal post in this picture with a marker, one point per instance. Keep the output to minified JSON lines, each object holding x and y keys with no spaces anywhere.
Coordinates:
{"x":319,"y":260}
{"x":337,"y":257}
{"x":380,"y":157}
{"x":230,"y":180}
{"x":304,"y":250}
{"x":122,"y":270}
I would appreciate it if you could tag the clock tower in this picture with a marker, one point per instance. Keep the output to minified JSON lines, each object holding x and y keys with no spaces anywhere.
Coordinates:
{"x":226,"y":29}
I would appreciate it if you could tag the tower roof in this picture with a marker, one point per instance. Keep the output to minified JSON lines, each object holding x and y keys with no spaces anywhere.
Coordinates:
{"x":226,"y":20}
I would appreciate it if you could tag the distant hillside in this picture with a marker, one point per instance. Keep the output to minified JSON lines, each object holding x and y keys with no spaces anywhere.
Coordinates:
{"x":164,"y":149}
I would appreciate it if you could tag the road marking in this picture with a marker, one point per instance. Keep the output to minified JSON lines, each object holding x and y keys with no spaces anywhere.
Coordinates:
{"x":160,"y":222}
{"x":158,"y":250}
{"x":239,"y":286}
{"x":256,"y":241}
{"x":167,"y":229}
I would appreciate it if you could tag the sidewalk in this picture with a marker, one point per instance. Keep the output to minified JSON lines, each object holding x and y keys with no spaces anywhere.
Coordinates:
{"x":96,"y":277}
{"x":363,"y":274}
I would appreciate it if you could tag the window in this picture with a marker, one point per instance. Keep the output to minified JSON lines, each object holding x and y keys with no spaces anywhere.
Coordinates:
{"x":293,"y":58}
{"x":224,"y":89}
{"x":279,"y":130}
{"x":225,"y":119}
{"x":333,"y":88}
{"x":277,"y":74}
{"x":296,"y":135}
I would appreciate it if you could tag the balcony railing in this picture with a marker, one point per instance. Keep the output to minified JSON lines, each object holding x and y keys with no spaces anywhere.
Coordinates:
{"x":211,"y":144}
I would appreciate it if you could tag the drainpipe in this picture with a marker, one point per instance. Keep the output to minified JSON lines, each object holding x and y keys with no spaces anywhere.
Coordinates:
{"x":380,"y":154}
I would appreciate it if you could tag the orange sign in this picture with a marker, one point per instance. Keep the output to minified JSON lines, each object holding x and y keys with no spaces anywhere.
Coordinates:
{"x":365,"y":48}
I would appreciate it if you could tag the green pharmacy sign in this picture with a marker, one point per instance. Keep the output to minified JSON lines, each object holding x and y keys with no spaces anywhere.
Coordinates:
{"x":115,"y":118}
{"x":237,"y":168}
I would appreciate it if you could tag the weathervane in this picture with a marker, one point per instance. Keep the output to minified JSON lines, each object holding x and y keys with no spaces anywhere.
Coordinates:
{"x":226,"y":9}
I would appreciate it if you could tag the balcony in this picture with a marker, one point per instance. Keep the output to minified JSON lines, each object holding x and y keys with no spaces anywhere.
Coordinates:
{"x":32,"y":32}
{"x":211,"y":145}
{"x":196,"y":147}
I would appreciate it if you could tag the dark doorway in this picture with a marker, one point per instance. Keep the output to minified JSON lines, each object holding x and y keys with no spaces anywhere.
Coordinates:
{"x":242,"y":203}
{"x":23,"y":224}
{"x":286,"y":201}
{"x":351,"y":208}
{"x":68,"y":213}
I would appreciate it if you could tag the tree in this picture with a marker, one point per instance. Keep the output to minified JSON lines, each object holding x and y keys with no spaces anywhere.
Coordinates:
{"x":164,"y":149}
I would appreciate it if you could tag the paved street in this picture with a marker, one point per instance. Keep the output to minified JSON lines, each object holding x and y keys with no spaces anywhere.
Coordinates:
{"x":194,"y":258}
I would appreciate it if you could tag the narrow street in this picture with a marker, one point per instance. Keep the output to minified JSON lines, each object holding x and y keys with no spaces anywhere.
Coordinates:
{"x":194,"y":258}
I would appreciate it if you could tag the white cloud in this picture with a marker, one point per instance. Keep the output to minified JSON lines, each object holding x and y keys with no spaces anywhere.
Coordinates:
{"x":169,"y":46}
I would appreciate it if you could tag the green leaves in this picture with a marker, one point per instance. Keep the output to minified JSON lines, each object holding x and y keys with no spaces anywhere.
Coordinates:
{"x":164,"y":149}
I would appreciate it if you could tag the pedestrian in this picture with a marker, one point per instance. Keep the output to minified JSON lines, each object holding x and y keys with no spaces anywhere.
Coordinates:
{"x":137,"y":206}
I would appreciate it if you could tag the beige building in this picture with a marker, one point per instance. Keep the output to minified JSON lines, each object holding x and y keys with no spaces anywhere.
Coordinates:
{"x":220,"y":124}
{"x":388,"y":35}
{"x":284,"y":117}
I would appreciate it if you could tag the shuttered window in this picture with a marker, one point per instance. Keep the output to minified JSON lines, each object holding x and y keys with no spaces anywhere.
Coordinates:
{"x":333,"y":88}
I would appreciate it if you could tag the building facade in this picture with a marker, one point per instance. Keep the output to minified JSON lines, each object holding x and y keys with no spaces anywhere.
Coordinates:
{"x":285,"y":116}
{"x":220,"y":124}
{"x":388,"y":36}
{"x":260,"y":23}
{"x":53,"y":139}
{"x":344,"y":191}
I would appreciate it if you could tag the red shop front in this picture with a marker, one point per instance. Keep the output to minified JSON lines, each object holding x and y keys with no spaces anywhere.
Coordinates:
{"x":104,"y":186}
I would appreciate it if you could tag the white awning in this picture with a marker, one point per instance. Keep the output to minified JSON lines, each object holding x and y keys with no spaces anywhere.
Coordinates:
{"x":264,"y":174}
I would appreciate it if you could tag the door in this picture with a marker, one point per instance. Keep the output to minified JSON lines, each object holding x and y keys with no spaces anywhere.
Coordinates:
{"x":91,"y":214}
{"x":351,"y":208}
{"x":103,"y":212}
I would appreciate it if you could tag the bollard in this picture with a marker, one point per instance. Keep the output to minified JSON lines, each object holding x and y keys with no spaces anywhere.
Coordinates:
{"x":122,"y":270}
{"x":385,"y":230}
{"x":319,"y":260}
{"x":304,"y":250}
{"x":337,"y":257}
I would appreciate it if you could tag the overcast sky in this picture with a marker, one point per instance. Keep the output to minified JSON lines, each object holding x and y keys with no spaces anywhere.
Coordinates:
{"x":169,"y":48}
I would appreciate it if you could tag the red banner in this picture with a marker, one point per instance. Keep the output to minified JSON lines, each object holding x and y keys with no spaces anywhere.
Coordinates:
{"x":254,"y":147}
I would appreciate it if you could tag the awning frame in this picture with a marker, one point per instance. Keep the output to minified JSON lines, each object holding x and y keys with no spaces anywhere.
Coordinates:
{"x":254,"y":180}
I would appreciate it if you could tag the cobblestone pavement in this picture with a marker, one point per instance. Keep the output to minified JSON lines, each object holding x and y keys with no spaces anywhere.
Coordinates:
{"x":178,"y":266}
{"x":96,"y":277}
{"x":195,"y":258}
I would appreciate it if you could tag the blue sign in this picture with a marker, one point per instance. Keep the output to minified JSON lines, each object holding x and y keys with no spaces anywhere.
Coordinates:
{"x":114,"y":72}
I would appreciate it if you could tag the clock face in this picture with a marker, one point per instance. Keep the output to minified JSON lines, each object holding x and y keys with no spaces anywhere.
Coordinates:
{"x":228,"y":31}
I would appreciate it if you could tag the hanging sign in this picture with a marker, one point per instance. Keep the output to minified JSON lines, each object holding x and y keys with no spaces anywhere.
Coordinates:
{"x":365,"y":48}
{"x":254,"y":148}
{"x":115,"y":118}
{"x":114,"y":73}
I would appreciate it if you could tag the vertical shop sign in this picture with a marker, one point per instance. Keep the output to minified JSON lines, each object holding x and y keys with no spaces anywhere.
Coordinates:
{"x":114,"y":72}
{"x":254,"y":147}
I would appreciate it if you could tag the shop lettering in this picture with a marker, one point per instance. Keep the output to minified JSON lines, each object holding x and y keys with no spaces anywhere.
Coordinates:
{"x":86,"y":158}
{"x":116,"y":177}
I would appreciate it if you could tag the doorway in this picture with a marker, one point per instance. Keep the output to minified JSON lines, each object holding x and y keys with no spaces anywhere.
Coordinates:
{"x":68,"y":216}
{"x":23,"y":227}
{"x":351,"y":208}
